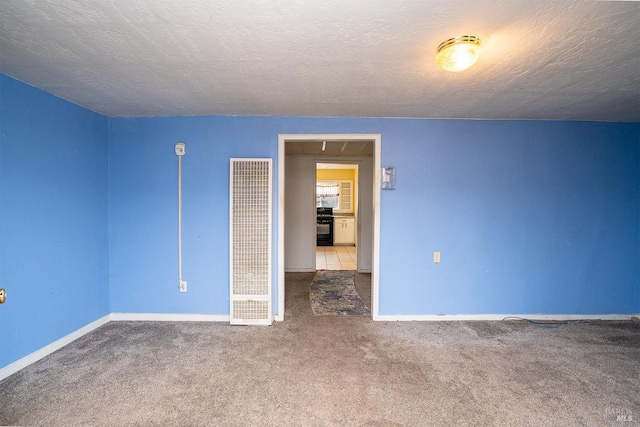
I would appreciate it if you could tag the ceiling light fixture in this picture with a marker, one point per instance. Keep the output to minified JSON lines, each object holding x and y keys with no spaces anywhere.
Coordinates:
{"x":458,"y":53}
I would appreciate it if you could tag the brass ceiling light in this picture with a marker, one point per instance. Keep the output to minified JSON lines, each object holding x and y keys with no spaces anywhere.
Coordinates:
{"x":458,"y":53}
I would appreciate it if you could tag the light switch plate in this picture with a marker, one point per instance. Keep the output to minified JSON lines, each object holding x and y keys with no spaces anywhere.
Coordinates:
{"x":436,"y":257}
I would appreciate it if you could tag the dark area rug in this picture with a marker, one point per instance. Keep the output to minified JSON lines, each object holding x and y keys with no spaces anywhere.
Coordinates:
{"x":333,"y":293}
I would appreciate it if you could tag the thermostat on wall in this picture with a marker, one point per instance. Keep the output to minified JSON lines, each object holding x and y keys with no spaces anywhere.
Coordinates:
{"x":180,"y":149}
{"x":388,"y":178}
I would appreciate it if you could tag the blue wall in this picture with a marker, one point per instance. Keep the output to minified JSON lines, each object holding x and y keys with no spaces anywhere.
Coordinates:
{"x":530,"y":217}
{"x":53,"y":218}
{"x":143,"y":213}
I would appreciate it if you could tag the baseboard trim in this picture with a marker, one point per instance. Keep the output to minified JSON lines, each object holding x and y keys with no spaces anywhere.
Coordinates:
{"x":112,"y":317}
{"x":162,"y":317}
{"x":300,"y":270}
{"x":50,"y":348}
{"x":489,"y":317}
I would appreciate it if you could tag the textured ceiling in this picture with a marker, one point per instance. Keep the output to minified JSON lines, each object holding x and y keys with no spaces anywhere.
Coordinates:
{"x":557,"y":60}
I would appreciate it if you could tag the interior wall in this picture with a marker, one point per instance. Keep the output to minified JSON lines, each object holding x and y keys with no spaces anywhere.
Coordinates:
{"x":364,"y":222}
{"x":530,"y":217}
{"x":300,"y":214}
{"x":300,"y":211}
{"x":53,"y":218}
{"x":338,"y":174}
{"x":143,"y":213}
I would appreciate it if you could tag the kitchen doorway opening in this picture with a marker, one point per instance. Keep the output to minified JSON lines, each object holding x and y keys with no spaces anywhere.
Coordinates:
{"x":336,"y":190}
{"x":297,"y":218}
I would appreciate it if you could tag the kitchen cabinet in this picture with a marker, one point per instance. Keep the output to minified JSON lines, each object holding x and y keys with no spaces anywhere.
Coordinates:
{"x":345,"y":196}
{"x":344,"y":231}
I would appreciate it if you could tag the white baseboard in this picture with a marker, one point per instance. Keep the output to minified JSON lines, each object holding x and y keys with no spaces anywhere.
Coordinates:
{"x":48,"y":349}
{"x":487,"y":317}
{"x":300,"y":270}
{"x":160,"y":317}
{"x":58,"y":344}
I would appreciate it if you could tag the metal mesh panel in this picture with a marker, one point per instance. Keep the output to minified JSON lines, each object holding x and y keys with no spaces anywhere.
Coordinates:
{"x":250,"y":238}
{"x":248,"y":311}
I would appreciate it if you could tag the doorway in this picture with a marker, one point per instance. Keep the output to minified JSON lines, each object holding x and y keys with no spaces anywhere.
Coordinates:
{"x":336,"y":189}
{"x":300,"y":152}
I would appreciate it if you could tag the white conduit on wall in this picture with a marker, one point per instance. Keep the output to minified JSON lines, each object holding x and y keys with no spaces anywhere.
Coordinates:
{"x":180,"y":151}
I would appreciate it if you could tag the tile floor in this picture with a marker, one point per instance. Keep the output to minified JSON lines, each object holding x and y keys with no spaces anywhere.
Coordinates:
{"x":336,"y":257}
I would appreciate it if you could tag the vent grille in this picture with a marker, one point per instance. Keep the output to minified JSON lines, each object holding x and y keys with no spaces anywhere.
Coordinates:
{"x":251,"y":241}
{"x":247,"y":311}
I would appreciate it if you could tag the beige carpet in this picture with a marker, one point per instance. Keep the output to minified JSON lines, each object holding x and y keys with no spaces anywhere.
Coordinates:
{"x":333,"y":371}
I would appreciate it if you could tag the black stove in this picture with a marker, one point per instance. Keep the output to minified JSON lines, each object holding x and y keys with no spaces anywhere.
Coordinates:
{"x":325,"y":212}
{"x":324,"y":227}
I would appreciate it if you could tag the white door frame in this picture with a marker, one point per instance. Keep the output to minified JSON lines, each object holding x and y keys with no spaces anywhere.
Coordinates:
{"x":375,"y":268}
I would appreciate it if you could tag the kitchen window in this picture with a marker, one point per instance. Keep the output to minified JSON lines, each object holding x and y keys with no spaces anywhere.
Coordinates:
{"x":328,"y":195}
{"x":335,"y":194}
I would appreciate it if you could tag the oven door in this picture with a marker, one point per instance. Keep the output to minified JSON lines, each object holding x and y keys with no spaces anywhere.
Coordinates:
{"x":324,"y":230}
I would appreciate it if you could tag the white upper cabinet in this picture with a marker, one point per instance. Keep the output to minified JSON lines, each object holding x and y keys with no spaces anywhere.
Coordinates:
{"x":346,"y":196}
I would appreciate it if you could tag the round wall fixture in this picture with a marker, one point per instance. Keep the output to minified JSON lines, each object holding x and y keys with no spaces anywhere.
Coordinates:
{"x":458,"y":53}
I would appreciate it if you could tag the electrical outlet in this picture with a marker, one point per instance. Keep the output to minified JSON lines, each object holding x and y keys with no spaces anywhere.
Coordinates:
{"x":183,"y":286}
{"x":436,"y":257}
